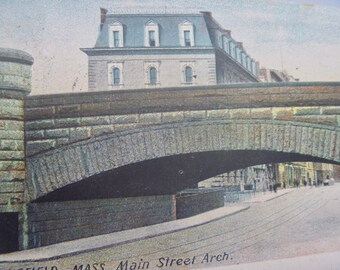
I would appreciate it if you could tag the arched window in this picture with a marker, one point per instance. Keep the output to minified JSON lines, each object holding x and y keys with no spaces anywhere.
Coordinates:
{"x":188,"y":74}
{"x":116,"y":76}
{"x":152,"y":75}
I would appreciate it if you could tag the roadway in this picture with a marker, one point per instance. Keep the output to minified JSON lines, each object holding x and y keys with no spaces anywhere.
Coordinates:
{"x":305,"y":221}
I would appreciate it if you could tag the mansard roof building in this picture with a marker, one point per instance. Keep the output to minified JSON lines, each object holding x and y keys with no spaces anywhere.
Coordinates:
{"x":165,"y":50}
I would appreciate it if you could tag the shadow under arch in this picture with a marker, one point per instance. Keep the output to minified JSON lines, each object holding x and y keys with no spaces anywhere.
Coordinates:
{"x":166,"y":175}
{"x":163,"y":159}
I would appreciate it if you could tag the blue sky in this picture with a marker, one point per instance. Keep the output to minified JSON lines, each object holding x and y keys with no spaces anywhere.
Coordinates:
{"x":301,"y":36}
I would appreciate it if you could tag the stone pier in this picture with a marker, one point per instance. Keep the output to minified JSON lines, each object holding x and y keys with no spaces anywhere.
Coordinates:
{"x":15,"y":84}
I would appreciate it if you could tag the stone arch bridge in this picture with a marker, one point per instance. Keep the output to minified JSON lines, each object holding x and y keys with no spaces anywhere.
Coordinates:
{"x":81,"y":164}
{"x":159,"y":141}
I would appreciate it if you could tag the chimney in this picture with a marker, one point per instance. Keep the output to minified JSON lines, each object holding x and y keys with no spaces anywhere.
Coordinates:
{"x":103,"y":12}
{"x":206,"y":13}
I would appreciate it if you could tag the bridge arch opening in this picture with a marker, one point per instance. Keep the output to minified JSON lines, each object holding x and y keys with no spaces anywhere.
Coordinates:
{"x":167,"y":175}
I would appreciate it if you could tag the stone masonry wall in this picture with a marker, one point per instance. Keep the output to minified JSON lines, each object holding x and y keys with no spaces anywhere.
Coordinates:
{"x":12,"y":165}
{"x":194,"y":202}
{"x":45,"y":134}
{"x":64,"y":166}
{"x":55,"y":222}
{"x":56,"y":120}
{"x":15,"y":82}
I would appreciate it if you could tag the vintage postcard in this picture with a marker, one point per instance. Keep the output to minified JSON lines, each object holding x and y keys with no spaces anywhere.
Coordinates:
{"x":169,"y":134}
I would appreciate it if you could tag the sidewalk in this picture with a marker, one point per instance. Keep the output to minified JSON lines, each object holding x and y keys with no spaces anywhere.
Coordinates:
{"x":268,"y":195}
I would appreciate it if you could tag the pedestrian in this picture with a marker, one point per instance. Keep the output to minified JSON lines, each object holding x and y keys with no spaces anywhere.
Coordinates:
{"x":275,"y":187}
{"x":295,"y":183}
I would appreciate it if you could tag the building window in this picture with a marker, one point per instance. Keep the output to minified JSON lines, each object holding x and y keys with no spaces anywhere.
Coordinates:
{"x":151,"y":34}
{"x":116,"y":35}
{"x":116,"y":76}
{"x":242,"y":58}
{"x":152,"y":41}
{"x":225,"y":44}
{"x":237,"y":54}
{"x":188,"y":74}
{"x":187,"y":40}
{"x":153,"y":75}
{"x":116,"y":39}
{"x":186,"y":34}
{"x":230,"y":48}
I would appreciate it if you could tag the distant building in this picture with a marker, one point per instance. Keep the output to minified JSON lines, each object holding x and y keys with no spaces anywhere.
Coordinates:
{"x":165,"y":50}
{"x":272,"y":75}
{"x":324,"y":171}
{"x":243,"y":178}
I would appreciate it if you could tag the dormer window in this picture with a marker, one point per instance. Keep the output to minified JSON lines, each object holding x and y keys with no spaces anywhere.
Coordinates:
{"x":116,"y":35}
{"x":116,"y":38}
{"x":187,"y":40}
{"x":186,"y":34}
{"x":151,"y":34}
{"x":237,"y":54}
{"x":152,"y":41}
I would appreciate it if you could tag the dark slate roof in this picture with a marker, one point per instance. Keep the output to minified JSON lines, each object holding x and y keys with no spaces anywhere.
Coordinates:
{"x":168,"y":29}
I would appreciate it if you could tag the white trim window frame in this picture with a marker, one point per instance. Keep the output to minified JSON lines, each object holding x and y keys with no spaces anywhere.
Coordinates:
{"x":116,"y":27}
{"x":151,"y":26}
{"x":111,"y":67}
{"x":184,"y":66}
{"x":237,"y":54}
{"x":232,"y":49}
{"x":225,"y":44}
{"x":244,"y":59}
{"x":147,"y":76}
{"x":186,"y":31}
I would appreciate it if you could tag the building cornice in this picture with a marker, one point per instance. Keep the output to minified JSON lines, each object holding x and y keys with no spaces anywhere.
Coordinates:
{"x":147,"y":50}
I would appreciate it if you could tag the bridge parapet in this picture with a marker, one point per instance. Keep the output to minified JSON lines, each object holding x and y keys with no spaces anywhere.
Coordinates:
{"x":56,"y":120}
